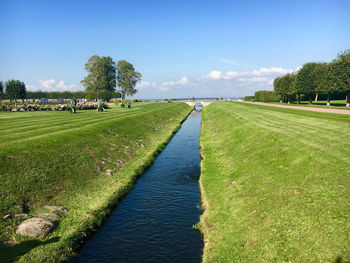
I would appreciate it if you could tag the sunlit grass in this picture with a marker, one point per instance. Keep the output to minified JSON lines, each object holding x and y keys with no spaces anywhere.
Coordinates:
{"x":275,"y":184}
{"x":85,"y":162}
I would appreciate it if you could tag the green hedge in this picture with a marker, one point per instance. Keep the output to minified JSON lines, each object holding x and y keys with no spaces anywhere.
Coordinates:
{"x":249,"y":98}
{"x":267,"y":96}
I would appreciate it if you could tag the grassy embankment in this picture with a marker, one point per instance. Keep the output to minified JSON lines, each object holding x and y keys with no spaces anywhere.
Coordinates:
{"x":85,"y":162}
{"x":275,"y":184}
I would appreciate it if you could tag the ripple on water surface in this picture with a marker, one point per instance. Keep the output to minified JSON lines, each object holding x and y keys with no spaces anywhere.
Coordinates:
{"x":154,"y":221}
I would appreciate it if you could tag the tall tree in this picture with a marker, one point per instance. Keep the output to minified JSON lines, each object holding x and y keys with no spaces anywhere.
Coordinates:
{"x":277,"y":87}
{"x":15,"y":89}
{"x":127,"y":78}
{"x":288,"y":85}
{"x":101,"y":74}
{"x":325,"y":81}
{"x":341,"y":70}
{"x":305,"y":81}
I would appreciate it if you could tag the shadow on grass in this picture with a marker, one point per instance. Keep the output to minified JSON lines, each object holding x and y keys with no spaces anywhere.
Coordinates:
{"x":340,"y":260}
{"x":10,"y":254}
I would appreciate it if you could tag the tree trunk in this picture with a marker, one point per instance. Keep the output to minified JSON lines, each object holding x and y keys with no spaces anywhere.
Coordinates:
{"x":328,"y":100}
{"x":298,"y":98}
{"x":310,"y":100}
{"x":348,"y":100}
{"x":288,"y":100}
{"x":316,"y":98}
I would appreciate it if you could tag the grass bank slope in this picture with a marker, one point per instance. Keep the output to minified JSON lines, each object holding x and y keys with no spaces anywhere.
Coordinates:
{"x":275,"y":184}
{"x":85,"y":162}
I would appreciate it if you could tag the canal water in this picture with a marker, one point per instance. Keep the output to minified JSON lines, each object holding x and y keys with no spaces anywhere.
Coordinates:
{"x":154,"y":222}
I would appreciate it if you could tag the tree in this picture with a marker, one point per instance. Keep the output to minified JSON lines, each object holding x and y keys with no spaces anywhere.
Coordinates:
{"x":288,"y":85}
{"x":278,"y":88}
{"x":325,"y":81}
{"x":101,"y":74}
{"x":341,"y":70}
{"x":15,"y":89}
{"x":127,"y":78}
{"x":1,"y":90}
{"x":105,"y":95}
{"x":305,"y":81}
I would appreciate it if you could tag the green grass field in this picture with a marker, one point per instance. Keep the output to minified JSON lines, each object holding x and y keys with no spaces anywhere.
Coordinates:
{"x":275,"y":184}
{"x":85,"y":162}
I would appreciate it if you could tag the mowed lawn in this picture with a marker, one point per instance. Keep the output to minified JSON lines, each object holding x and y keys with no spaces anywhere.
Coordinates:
{"x":275,"y":184}
{"x":85,"y":162}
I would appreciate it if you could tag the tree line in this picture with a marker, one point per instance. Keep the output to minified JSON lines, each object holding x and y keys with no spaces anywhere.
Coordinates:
{"x":317,"y":78}
{"x":105,"y":80}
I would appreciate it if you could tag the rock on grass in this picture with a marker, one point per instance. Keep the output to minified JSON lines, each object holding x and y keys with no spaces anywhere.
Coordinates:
{"x":35,"y":227}
{"x":56,"y":208}
{"x":49,"y":216}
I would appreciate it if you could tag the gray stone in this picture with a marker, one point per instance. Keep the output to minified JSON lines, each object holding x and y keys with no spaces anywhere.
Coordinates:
{"x":56,"y":208}
{"x":8,"y":216}
{"x":50,"y":216}
{"x":35,"y":227}
{"x":21,"y":215}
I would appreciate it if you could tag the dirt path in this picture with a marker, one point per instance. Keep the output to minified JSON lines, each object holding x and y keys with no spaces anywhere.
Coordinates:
{"x":338,"y":111}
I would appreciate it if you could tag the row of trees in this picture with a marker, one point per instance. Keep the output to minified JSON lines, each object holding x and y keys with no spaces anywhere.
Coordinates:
{"x":104,"y":75}
{"x":15,"y":89}
{"x":317,"y":78}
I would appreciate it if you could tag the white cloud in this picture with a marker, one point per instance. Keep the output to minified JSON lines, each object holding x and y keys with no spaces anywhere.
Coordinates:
{"x":51,"y":85}
{"x":182,"y":81}
{"x":215,"y":74}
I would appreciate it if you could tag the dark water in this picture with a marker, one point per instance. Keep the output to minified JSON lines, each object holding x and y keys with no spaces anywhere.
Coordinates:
{"x":154,"y":221}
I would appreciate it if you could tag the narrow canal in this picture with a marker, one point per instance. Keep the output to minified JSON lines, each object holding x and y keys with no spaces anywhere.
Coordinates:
{"x":154,"y":222}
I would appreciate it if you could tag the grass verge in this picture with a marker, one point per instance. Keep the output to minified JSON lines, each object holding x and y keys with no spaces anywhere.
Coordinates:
{"x":86,"y":162}
{"x":275,"y":184}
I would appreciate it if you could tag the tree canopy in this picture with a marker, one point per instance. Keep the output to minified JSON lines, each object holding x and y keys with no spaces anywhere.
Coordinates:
{"x":318,"y":78}
{"x":127,"y":78}
{"x":101,"y":74}
{"x":15,"y":89}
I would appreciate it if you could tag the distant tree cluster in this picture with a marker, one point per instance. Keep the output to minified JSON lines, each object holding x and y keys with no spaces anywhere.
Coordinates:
{"x":104,"y":75}
{"x":315,"y":78}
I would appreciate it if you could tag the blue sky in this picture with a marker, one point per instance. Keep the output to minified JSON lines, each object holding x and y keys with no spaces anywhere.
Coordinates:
{"x":182,"y":48}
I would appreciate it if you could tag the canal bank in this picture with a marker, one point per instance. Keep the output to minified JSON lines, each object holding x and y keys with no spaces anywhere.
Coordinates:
{"x":154,"y":222}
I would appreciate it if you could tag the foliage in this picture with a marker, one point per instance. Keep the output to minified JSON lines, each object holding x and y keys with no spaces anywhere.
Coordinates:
{"x":330,"y":79}
{"x":105,"y":95}
{"x":1,"y":87}
{"x":101,"y":74}
{"x":341,"y":69}
{"x":127,"y":78}
{"x":15,"y":89}
{"x":285,"y":86}
{"x":266,"y":96}
{"x":249,"y":98}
